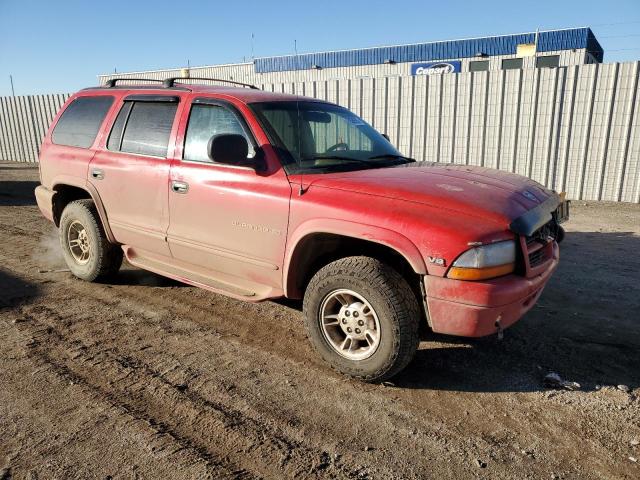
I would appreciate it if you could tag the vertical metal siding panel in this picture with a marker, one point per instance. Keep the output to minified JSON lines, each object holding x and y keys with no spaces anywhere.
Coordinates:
{"x":6,"y":129}
{"x":615,"y":143}
{"x":377,"y":104}
{"x":454,"y":119}
{"x":492,"y":122}
{"x":368,"y":93}
{"x":533,"y":122}
{"x":462,"y":120}
{"x":4,"y":137}
{"x":485,"y":112}
{"x":476,"y":117}
{"x":606,"y":134}
{"x":37,"y":119}
{"x":419,"y":116}
{"x":18,"y":154}
{"x":632,"y":186}
{"x":404,"y":108}
{"x":23,"y":127}
{"x":447,"y":112}
{"x":30,"y":129}
{"x":577,"y":123}
{"x":545,"y":122}
{"x":17,"y":130}
{"x":469,"y":129}
{"x":593,"y":134}
{"x":433,"y":118}
{"x":546,"y":157}
{"x":517,"y":76}
{"x":554,"y":146}
{"x":4,"y":119}
{"x":499,"y":134}
{"x":525,"y":121}
{"x":631,"y":114}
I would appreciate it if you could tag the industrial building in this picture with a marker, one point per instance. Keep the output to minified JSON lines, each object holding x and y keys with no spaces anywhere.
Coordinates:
{"x":545,"y":49}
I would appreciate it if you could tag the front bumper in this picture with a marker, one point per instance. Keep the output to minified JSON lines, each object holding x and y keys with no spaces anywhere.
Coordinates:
{"x":477,"y":309}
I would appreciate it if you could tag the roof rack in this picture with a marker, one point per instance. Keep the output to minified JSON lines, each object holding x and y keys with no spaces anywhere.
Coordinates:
{"x":169,"y":82}
{"x":112,"y":82}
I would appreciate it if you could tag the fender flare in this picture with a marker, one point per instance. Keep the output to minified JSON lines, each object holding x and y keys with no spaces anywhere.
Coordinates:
{"x":382,"y":236}
{"x":95,"y":196}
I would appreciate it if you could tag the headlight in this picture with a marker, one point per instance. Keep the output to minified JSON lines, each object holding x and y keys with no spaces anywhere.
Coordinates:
{"x":486,"y":261}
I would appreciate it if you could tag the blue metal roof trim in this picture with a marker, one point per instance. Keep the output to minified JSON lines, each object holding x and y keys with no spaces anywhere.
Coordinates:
{"x":503,"y":45}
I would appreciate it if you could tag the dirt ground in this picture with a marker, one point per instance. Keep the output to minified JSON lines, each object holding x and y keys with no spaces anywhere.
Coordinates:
{"x":147,"y":378}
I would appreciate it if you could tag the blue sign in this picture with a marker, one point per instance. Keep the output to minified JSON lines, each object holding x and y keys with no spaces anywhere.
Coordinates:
{"x":436,"y":68}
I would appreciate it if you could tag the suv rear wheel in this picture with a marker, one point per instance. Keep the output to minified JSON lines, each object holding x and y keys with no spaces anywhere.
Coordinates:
{"x":85,"y":247}
{"x":362,"y":317}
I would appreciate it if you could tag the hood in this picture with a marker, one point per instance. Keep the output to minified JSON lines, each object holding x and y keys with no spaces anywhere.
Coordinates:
{"x":481,"y":192}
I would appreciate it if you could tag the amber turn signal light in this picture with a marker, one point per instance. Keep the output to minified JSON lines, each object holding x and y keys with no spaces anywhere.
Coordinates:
{"x":462,"y":273}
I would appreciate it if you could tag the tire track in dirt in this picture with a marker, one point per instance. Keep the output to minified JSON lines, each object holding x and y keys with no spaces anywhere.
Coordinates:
{"x":138,"y":389}
{"x":72,"y":291}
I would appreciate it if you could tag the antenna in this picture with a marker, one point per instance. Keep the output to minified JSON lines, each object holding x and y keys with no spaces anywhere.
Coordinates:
{"x":301,"y":189}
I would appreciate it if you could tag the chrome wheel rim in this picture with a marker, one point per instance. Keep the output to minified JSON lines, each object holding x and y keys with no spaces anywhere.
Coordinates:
{"x":78,"y":242}
{"x":349,"y":324}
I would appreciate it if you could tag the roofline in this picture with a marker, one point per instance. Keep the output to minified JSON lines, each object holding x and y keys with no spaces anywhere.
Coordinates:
{"x":422,"y":43}
{"x":162,"y":70}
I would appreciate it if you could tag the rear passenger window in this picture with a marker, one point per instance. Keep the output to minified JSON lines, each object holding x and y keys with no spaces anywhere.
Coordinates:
{"x":143,"y":128}
{"x":205,"y":121}
{"x":80,"y":122}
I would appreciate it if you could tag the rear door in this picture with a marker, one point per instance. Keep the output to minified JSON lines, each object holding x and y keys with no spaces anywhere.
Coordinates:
{"x":227,"y":219}
{"x":131,"y":171}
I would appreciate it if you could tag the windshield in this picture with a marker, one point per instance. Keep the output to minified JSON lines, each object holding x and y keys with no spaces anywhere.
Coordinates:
{"x":321,"y":137}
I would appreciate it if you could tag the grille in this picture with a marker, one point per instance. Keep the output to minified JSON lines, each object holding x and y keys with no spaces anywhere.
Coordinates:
{"x":536,"y":243}
{"x":537,"y":257}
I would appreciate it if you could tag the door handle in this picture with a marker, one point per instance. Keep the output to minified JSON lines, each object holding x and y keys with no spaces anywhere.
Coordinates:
{"x":179,"y":187}
{"x":97,"y":174}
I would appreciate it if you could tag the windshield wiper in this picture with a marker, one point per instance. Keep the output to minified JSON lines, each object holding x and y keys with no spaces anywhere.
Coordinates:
{"x":394,"y":156}
{"x":341,"y":157}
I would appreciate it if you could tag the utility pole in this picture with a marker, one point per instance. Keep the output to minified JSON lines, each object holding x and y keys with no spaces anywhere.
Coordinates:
{"x":13,"y":93}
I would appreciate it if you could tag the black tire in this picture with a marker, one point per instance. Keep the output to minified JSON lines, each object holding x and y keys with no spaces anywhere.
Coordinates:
{"x":104,"y":258}
{"x":395,"y":306}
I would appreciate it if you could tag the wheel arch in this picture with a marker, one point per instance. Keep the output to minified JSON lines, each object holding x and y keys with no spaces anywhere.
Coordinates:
{"x":67,"y":190}
{"x":318,"y":242}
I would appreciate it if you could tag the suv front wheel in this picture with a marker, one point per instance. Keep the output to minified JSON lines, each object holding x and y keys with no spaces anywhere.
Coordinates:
{"x":85,"y":247}
{"x":362,"y":317}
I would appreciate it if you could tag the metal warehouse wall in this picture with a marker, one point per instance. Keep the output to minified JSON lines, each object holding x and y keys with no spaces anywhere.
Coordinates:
{"x":246,"y":72}
{"x":574,"y":128}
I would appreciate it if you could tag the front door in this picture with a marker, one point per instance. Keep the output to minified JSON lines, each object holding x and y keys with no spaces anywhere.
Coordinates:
{"x":229,"y":220}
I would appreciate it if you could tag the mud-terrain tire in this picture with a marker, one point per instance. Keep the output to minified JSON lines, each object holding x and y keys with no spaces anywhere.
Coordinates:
{"x":85,"y":247}
{"x":362,"y":289}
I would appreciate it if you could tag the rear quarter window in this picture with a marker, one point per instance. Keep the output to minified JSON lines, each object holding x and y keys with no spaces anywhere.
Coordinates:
{"x":80,"y":122}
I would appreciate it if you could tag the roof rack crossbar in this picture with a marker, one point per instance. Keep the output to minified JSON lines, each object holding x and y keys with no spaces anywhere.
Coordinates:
{"x":169,"y":82}
{"x":112,"y":82}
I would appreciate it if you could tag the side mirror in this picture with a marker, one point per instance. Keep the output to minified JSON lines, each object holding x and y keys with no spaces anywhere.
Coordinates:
{"x":229,"y":148}
{"x":387,"y":137}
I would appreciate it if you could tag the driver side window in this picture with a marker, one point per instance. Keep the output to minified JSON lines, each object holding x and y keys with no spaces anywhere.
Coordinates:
{"x":340,"y":133}
{"x":205,"y":121}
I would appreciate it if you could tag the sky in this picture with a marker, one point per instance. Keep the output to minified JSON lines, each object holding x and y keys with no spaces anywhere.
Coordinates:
{"x":61,"y":46}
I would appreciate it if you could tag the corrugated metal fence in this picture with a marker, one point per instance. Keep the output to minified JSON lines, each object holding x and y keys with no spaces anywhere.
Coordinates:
{"x":23,"y":124}
{"x":574,"y":129}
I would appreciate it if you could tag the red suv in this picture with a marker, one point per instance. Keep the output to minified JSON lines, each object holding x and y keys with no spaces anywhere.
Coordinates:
{"x":259,"y":195}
